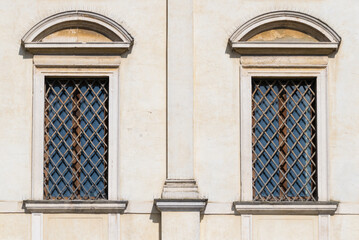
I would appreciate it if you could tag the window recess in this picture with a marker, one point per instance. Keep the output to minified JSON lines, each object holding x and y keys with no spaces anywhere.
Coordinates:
{"x":76,"y":138}
{"x":284,"y":139}
{"x":75,"y":142}
{"x":283,"y":76}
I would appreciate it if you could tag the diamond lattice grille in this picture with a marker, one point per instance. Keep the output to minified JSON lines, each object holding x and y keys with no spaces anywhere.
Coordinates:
{"x":76,"y":138}
{"x":284,"y":139}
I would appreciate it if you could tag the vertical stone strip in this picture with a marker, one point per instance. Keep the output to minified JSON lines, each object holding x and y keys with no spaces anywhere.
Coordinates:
{"x":324,"y":223}
{"x":246,"y":227}
{"x":114,"y":226}
{"x":180,"y":204}
{"x":180,"y":89}
{"x":36,"y":226}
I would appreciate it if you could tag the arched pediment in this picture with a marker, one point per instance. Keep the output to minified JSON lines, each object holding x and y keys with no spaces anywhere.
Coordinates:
{"x":77,"y":32}
{"x":285,"y":32}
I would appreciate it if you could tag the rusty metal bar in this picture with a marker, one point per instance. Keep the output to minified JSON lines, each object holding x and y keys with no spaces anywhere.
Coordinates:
{"x":283,"y":149}
{"x":76,"y":109}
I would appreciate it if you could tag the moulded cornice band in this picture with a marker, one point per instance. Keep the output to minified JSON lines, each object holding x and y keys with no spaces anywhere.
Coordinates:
{"x":321,"y":48}
{"x":47,"y":206}
{"x":69,"y":48}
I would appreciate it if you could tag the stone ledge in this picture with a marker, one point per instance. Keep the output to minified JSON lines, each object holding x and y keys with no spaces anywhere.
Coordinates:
{"x":81,"y":206}
{"x":76,"y":61}
{"x":181,"y":205}
{"x":272,"y":48}
{"x":286,"y":208}
{"x":77,"y":48}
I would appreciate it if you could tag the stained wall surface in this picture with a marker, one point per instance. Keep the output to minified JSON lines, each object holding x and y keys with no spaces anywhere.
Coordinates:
{"x":142,"y":134}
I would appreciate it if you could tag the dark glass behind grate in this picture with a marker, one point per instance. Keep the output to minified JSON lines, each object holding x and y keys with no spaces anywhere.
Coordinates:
{"x":76,"y":138}
{"x":284,"y":140}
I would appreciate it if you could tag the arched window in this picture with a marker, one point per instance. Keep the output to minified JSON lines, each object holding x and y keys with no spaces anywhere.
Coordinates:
{"x":283,"y":82}
{"x":75,"y":112}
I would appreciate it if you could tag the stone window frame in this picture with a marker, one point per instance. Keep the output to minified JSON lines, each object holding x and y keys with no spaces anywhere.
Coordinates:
{"x":40,"y":73}
{"x":247,"y":74}
{"x":76,"y":59}
{"x":284,"y":59}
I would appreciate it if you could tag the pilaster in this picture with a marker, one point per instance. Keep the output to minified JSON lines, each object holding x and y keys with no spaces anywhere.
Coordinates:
{"x":180,"y":89}
{"x":180,"y":203}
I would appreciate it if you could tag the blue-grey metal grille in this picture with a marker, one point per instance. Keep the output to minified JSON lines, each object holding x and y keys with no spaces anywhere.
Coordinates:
{"x":76,"y":138}
{"x":284,"y":139}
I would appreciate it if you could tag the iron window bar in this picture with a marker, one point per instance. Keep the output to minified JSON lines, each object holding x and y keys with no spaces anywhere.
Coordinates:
{"x":284,"y":154}
{"x":76,"y":138}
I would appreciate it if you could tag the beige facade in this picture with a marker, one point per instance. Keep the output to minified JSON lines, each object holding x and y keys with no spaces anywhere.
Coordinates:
{"x":180,"y":118}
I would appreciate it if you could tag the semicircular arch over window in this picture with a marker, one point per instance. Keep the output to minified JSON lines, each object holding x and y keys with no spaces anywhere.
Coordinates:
{"x":77,"y":32}
{"x":285,"y":32}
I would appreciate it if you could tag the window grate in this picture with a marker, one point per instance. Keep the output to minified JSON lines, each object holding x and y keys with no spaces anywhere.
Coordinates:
{"x":284,"y":140}
{"x":76,"y":138}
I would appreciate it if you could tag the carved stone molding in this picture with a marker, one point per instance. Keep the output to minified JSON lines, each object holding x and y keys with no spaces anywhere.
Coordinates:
{"x":86,"y":206}
{"x":326,"y":39}
{"x":180,"y":189}
{"x":119,"y":39}
{"x":286,"y":208}
{"x":180,"y":195}
{"x":181,"y":205}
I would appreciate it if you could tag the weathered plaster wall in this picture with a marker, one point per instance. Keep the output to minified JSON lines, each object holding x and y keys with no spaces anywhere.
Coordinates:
{"x":344,"y":227}
{"x":15,"y":227}
{"x":218,"y":227}
{"x":142,"y":119}
{"x":285,"y":227}
{"x":217,"y":96}
{"x":143,"y":111}
{"x":140,"y":226}
{"x":89,"y":226}
{"x":217,"y":107}
{"x":142,"y":94}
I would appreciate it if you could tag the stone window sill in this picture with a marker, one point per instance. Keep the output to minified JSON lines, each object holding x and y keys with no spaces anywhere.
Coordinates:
{"x":77,"y":206}
{"x":286,"y":208}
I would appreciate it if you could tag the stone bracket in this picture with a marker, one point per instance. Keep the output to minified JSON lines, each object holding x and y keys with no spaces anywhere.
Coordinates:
{"x":181,"y":205}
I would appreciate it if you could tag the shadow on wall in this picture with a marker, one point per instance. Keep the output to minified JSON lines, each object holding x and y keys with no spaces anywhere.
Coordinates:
{"x":229,"y":51}
{"x":155,"y":217}
{"x":24,"y":53}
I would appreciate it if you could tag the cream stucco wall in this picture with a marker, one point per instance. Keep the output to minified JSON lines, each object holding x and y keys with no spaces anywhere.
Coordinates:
{"x":15,"y":226}
{"x":142,"y":147}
